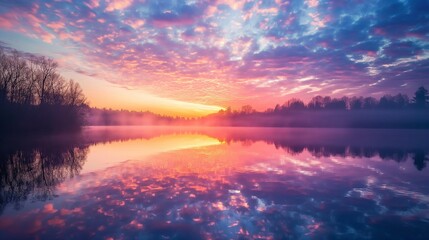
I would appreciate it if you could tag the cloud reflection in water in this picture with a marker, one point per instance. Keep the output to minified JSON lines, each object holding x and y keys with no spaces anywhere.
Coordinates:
{"x":234,"y":188}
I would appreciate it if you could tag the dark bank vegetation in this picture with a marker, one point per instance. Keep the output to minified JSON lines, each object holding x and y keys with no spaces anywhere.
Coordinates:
{"x":35,"y":97}
{"x":397,"y":111}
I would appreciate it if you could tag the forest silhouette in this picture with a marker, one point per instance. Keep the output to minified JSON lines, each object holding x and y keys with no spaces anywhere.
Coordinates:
{"x":35,"y":97}
{"x":397,"y":111}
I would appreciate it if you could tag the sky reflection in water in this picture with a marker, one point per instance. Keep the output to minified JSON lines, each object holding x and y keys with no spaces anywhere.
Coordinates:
{"x":122,"y":183}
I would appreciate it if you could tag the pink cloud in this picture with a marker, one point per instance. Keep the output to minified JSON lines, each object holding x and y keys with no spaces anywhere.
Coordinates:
{"x":6,"y":21}
{"x":56,"y":222}
{"x":93,"y":3}
{"x":204,"y":51}
{"x":75,"y":36}
{"x":313,"y":3}
{"x":49,"y":208}
{"x":271,"y":10}
{"x":317,"y":21}
{"x":47,"y":37}
{"x":135,"y":23}
{"x":65,"y":211}
{"x":118,"y":5}
{"x":13,"y":20}
{"x":56,"y":26}
{"x":234,"y":4}
{"x":290,"y":19}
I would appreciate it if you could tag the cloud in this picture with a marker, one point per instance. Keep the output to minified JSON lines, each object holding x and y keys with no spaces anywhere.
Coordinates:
{"x":225,"y":52}
{"x":116,"y":4}
{"x":177,"y":13}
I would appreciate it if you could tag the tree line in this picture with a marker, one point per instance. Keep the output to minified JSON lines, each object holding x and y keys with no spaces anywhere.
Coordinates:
{"x":419,"y":101}
{"x":34,"y":96}
{"x":389,"y":111}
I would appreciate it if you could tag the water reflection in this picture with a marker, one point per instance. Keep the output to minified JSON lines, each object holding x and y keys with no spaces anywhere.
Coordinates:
{"x":216,"y":183}
{"x":34,"y":172}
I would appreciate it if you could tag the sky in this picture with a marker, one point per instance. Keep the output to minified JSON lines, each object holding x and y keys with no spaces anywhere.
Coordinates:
{"x":191,"y":57}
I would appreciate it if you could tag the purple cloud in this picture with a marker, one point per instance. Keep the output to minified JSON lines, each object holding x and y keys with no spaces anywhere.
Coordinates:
{"x":229,"y":52}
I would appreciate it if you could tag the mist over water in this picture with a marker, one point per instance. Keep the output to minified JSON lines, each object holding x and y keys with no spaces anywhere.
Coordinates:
{"x":202,"y":183}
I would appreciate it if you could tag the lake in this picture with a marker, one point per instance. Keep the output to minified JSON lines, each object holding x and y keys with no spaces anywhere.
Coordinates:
{"x":216,"y":183}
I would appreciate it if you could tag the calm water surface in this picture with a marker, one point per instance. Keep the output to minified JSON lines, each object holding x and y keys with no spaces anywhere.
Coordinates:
{"x":216,"y":183}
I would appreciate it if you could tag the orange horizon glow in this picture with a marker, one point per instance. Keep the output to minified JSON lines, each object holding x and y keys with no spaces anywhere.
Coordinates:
{"x":102,"y":94}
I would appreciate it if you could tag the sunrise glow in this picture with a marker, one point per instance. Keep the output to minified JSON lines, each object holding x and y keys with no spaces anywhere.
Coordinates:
{"x":192,"y":58}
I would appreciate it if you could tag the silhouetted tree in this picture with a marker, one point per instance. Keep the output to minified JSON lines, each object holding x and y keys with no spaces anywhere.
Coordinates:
{"x":34,"y":96}
{"x":421,"y":97}
{"x":356,"y":103}
{"x":370,"y":103}
{"x":295,"y":104}
{"x":401,"y":100}
{"x":74,"y":95}
{"x":386,"y":102}
{"x":247,"y":109}
{"x":269,"y":110}
{"x":316,"y":103}
{"x":326,"y":101}
{"x":46,"y":80}
{"x":393,"y":102}
{"x":337,"y":104}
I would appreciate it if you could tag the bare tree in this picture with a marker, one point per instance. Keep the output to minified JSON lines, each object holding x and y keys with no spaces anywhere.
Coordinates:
{"x":294,"y":104}
{"x":18,"y":66}
{"x":74,"y":94}
{"x":27,"y":82}
{"x":46,"y":70}
{"x":247,"y":109}
{"x":316,"y":103}
{"x":6,"y":75}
